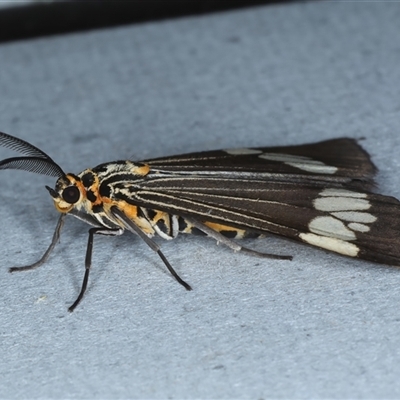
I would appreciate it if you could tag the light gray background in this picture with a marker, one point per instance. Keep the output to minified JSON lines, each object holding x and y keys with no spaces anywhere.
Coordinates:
{"x":322,"y":326}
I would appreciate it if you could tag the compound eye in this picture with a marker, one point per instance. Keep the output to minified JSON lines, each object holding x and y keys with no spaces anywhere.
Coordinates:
{"x":71,"y":194}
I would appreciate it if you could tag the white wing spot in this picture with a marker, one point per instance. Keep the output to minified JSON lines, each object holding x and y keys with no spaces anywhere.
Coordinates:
{"x":345,"y":208}
{"x":287,"y":158}
{"x":331,"y":227}
{"x":332,"y":244}
{"x":337,"y":203}
{"x":238,"y":152}
{"x":355,"y":216}
{"x":315,"y":168}
{"x":301,"y":162}
{"x":359,"y":227}
{"x":342,"y":193}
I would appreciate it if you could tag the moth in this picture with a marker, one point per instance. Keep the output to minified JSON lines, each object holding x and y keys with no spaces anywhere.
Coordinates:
{"x":319,"y":194}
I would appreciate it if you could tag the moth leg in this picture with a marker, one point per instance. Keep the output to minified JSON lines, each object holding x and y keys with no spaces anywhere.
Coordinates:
{"x":151,"y":243}
{"x":230,"y":243}
{"x":88,"y":258}
{"x":56,"y":237}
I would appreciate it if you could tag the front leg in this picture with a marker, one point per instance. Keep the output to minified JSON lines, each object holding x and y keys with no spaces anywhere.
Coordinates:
{"x":88,"y":258}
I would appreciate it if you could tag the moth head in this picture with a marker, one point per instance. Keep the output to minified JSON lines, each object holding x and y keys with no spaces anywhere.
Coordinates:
{"x":68,"y":193}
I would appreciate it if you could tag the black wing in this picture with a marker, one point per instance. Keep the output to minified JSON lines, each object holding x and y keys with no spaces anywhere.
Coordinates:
{"x":317,"y":193}
{"x":341,"y":161}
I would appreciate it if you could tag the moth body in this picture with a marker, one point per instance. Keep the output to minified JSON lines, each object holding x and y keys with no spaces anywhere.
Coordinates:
{"x":320,"y":194}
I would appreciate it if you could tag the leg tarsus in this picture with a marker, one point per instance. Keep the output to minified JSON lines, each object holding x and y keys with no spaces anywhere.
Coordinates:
{"x":256,"y":253}
{"x":82,"y":292}
{"x":88,"y":259}
{"x":54,"y":240}
{"x":173,"y":272}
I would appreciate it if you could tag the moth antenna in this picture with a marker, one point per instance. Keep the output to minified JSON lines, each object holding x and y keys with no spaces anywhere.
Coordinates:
{"x":37,"y":160}
{"x":17,"y":144}
{"x":33,"y":164}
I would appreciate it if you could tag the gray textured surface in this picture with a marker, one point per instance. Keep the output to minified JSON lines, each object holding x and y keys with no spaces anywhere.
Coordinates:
{"x":320,"y":326}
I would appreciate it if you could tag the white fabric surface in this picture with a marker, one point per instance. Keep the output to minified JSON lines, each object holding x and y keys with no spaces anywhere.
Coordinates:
{"x":321,"y":326}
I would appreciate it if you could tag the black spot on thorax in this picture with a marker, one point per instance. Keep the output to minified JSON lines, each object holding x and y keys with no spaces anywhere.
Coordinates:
{"x":105,"y":190}
{"x":91,"y":196}
{"x":88,"y":179}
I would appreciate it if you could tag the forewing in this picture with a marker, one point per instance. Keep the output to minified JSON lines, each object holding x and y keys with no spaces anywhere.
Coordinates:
{"x":341,"y":161}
